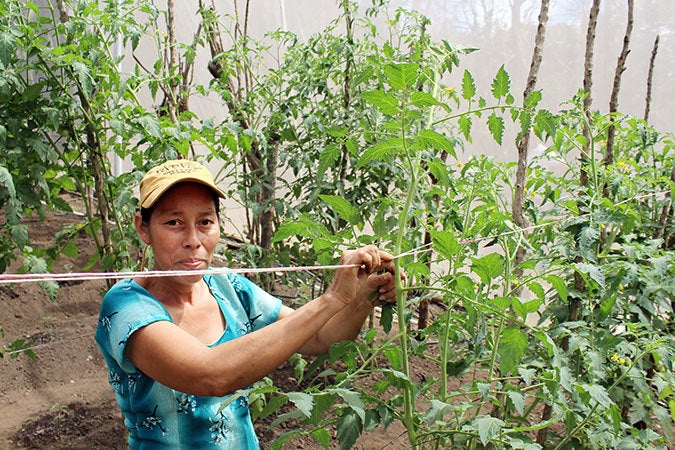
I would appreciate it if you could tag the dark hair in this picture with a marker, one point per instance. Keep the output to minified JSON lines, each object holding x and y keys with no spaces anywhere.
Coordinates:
{"x":146,"y":213}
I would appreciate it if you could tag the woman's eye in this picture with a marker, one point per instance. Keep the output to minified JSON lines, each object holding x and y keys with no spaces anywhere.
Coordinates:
{"x":207,"y":222}
{"x":172,"y":223}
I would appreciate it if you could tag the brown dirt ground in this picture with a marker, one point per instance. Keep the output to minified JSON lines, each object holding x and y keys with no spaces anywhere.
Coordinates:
{"x":62,"y":399}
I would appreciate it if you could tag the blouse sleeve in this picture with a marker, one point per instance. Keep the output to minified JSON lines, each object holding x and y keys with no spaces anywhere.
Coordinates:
{"x":126,"y":308}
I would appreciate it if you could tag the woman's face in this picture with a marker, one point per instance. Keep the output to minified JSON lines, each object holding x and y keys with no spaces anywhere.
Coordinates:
{"x":183,"y":230}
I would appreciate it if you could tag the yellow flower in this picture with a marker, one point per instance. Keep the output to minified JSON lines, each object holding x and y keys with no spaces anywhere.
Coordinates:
{"x":449,"y":90}
{"x":615,"y":358}
{"x":622,"y":361}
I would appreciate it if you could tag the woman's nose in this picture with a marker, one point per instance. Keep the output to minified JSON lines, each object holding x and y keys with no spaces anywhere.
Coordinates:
{"x":191,"y":238}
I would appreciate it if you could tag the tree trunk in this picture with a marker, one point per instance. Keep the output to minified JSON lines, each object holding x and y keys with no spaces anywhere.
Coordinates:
{"x":650,"y":78}
{"x":524,"y":141}
{"x":614,"y":99}
{"x":574,"y":303}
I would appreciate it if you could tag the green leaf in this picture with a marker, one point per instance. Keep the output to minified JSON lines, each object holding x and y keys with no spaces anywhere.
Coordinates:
{"x":401,"y":76}
{"x":488,"y":267}
{"x":7,"y":48}
{"x":322,"y":436}
{"x":354,"y":401}
{"x":525,"y":308}
{"x":329,"y":156}
{"x":599,"y":394}
{"x":501,"y":84}
{"x":291,"y":228}
{"x":437,"y":411}
{"x":432,"y":139}
{"x":559,"y":285}
{"x":592,"y":271}
{"x":84,"y":78}
{"x":465,"y":123}
{"x":533,"y":99}
{"x":342,"y":207}
{"x":468,"y":86}
{"x":512,"y":347}
{"x":150,"y":125}
{"x":304,"y":402}
{"x":349,"y":429}
{"x":445,"y":244}
{"x":385,"y":102}
{"x":518,"y":401}
{"x":496,"y":126}
{"x":423,"y":99}
{"x":545,"y":124}
{"x":386,"y":317}
{"x":7,"y":181}
{"x":488,"y":427}
{"x":380,"y":151}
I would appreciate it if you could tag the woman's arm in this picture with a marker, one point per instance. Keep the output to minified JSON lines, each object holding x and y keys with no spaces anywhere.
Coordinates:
{"x":348,"y":322}
{"x":175,"y":358}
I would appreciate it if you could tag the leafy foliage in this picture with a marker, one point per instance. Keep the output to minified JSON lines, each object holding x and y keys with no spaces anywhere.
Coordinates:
{"x":369,"y":135}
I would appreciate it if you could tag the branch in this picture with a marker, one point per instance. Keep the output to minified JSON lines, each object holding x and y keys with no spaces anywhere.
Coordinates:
{"x":614,"y":99}
{"x":650,"y":78}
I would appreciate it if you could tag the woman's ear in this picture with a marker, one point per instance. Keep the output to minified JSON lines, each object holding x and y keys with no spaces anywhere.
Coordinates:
{"x":141,"y":228}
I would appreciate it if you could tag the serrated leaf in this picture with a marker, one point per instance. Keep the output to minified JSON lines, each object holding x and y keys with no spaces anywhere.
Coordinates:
{"x":84,"y":78}
{"x":465,"y":123}
{"x":354,"y":401}
{"x":401,"y":76}
{"x":342,"y":207}
{"x":545,"y":125}
{"x":445,"y":244}
{"x":386,"y":317}
{"x":501,"y":84}
{"x":468,"y":86}
{"x":322,"y":436}
{"x":349,"y":429}
{"x":51,"y":288}
{"x":433,"y":139}
{"x":512,"y":347}
{"x":599,"y":394}
{"x":7,"y":48}
{"x":304,"y":402}
{"x":496,"y":126}
{"x":423,"y":99}
{"x":437,"y":411}
{"x":533,"y":99}
{"x":290,"y":228}
{"x":518,"y":401}
{"x":329,"y":156}
{"x":150,"y":125}
{"x":385,"y":102}
{"x":380,"y":151}
{"x":7,"y":181}
{"x":559,"y":285}
{"x":488,"y":267}
{"x":592,"y":271}
{"x":488,"y":427}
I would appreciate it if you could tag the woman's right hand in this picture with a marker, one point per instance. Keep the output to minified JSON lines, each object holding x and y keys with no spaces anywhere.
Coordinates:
{"x":351,"y":283}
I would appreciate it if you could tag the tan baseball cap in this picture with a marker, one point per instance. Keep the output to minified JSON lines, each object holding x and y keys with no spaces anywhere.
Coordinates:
{"x":160,"y":178}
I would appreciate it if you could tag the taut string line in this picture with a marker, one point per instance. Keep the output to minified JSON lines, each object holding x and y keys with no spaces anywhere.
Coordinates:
{"x":87,"y":276}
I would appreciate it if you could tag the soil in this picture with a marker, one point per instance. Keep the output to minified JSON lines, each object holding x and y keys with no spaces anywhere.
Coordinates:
{"x":61,"y":398}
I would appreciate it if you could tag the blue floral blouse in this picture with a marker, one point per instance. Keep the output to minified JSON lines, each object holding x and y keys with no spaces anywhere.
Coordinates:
{"x":160,"y":417}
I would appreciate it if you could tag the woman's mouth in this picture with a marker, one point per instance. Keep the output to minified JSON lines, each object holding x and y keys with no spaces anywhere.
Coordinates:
{"x":191,"y":264}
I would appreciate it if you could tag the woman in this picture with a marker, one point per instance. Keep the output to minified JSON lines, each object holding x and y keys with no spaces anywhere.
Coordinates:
{"x":177,"y":346}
